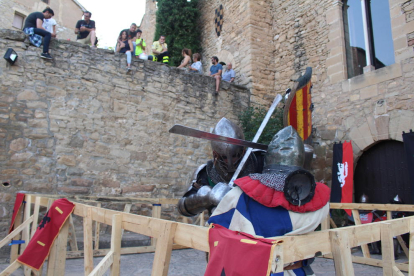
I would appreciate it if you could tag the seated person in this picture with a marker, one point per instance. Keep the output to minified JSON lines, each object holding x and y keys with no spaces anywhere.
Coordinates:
{"x":160,"y":50}
{"x":85,"y":29}
{"x":186,"y":53}
{"x":50,"y":25}
{"x":139,"y":43}
{"x":196,"y":67}
{"x":125,"y":46}
{"x":33,"y":27}
{"x":215,"y":72}
{"x":132,"y":35}
{"x":229,"y":75}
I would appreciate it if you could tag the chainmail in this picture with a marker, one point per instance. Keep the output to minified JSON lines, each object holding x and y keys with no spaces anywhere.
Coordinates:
{"x":275,"y":181}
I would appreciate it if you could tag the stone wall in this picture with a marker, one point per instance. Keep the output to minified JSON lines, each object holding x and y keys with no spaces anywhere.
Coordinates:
{"x":80,"y":125}
{"x":67,"y":13}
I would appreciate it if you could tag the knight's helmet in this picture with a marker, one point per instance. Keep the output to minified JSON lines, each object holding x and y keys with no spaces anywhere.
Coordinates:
{"x":227,"y":156}
{"x":284,"y":162}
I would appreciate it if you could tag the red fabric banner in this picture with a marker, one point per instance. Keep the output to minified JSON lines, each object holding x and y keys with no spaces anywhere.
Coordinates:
{"x":235,"y":253}
{"x":17,"y":204}
{"x":39,"y":246}
{"x":348,"y":183}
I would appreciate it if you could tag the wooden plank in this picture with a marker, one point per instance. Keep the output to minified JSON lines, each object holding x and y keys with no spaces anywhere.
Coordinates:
{"x":14,"y":250}
{"x":57,"y":257}
{"x":411,"y":249}
{"x":10,"y":269}
{"x":163,"y":250}
{"x":87,"y":241}
{"x":185,"y":219}
{"x":403,"y":245}
{"x":97,"y":229}
{"x":127,"y":209}
{"x":370,"y":207}
{"x":396,"y":271}
{"x":387,"y":248}
{"x":103,"y":265}
{"x":371,"y":262}
{"x":277,"y":258}
{"x":125,"y":250}
{"x":35,"y":215}
{"x":341,"y":252}
{"x":116,"y":244}
{"x":15,"y":232}
{"x":156,"y":213}
{"x":325,"y":223}
{"x":73,"y":242}
{"x":364,"y":247}
{"x":26,"y":231}
{"x":333,"y":225}
{"x":202,"y":220}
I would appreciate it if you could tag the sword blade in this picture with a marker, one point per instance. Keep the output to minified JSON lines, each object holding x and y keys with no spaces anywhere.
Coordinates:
{"x":187,"y":131}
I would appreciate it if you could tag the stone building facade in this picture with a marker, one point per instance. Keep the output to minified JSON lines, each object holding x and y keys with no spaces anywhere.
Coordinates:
{"x":67,"y":13}
{"x":80,"y":125}
{"x":271,"y":42}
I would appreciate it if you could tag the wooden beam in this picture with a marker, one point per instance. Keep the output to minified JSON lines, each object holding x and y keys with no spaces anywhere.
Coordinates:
{"x":202,"y":220}
{"x":371,"y":262}
{"x":10,"y":269}
{"x":277,"y":258}
{"x":125,"y":250}
{"x":364,"y":247}
{"x":14,"y":250}
{"x":370,"y":207}
{"x":73,"y":241}
{"x":26,"y":231}
{"x":387,"y":248}
{"x":15,"y":232}
{"x":341,"y":252}
{"x":127,"y":209}
{"x":163,"y":250}
{"x":103,"y":265}
{"x":116,"y":244}
{"x":87,"y":241}
{"x":411,"y":249}
{"x":396,"y":271}
{"x":97,"y":229}
{"x":35,"y":215}
{"x":332,"y":222}
{"x":156,"y":213}
{"x":57,"y":257}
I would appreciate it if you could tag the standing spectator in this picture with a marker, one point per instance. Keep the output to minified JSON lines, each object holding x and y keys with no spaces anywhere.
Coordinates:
{"x":125,"y":46}
{"x":85,"y":29}
{"x":215,"y":72}
{"x":139,"y":43}
{"x":229,"y":75}
{"x":50,"y":25}
{"x":196,"y":67}
{"x":33,"y":27}
{"x":186,"y":53}
{"x":160,"y":50}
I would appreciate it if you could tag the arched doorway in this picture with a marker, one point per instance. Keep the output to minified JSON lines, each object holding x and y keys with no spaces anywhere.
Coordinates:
{"x":381,"y":173}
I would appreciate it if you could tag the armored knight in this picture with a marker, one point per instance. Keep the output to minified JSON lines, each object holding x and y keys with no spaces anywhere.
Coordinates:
{"x":209,"y":181}
{"x":283,"y":200}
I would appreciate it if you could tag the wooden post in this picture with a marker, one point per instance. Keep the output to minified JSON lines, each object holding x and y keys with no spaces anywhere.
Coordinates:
{"x":14,"y":251}
{"x":341,"y":253}
{"x":127,"y":209}
{"x":202,"y":220}
{"x":387,"y":248}
{"x":97,"y":229}
{"x":163,"y":250}
{"x":26,"y":230}
{"x":73,"y":242}
{"x":35,"y":215}
{"x":411,"y":254}
{"x":185,"y":219}
{"x":116,"y":244}
{"x":57,"y":257}
{"x":277,"y":261}
{"x":88,"y":241}
{"x":364,"y":247}
{"x":156,"y":213}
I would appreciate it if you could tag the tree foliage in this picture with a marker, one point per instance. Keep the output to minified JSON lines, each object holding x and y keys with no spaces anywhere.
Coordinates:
{"x":251,"y":119}
{"x":177,"y":20}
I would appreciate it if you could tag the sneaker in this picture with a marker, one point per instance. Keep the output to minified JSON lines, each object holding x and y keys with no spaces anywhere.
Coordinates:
{"x":46,"y":56}
{"x":128,"y":69}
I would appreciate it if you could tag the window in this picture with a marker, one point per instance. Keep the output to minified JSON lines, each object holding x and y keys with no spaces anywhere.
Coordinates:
{"x":368,"y":36}
{"x":18,"y":20}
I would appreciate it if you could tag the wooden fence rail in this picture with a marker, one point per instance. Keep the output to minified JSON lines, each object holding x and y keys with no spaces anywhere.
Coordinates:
{"x":337,"y":242}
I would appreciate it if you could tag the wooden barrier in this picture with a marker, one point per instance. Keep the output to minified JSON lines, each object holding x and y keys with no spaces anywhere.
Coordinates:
{"x":337,"y":242}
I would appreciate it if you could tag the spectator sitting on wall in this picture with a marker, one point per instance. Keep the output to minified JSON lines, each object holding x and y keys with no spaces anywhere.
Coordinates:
{"x":196,"y":67}
{"x":33,"y":27}
{"x":186,"y":53}
{"x":222,"y":63}
{"x":85,"y":29}
{"x":132,"y":34}
{"x":50,"y":25}
{"x":160,"y":50}
{"x":215,"y":72}
{"x":229,"y":75}
{"x":125,"y":46}
{"x":139,"y":43}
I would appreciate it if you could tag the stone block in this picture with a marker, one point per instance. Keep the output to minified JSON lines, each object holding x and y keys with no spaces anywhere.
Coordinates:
{"x":81,"y":182}
{"x":19,"y":144}
{"x":138,"y":189}
{"x":369,"y":92}
{"x":68,"y":160}
{"x":382,"y":127}
{"x":73,"y":190}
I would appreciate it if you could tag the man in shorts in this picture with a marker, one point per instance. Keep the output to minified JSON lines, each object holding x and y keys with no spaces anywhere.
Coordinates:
{"x":85,"y":29}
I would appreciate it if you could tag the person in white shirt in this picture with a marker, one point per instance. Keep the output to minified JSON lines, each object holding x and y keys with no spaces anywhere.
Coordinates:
{"x":50,"y":26}
{"x":196,"y":67}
